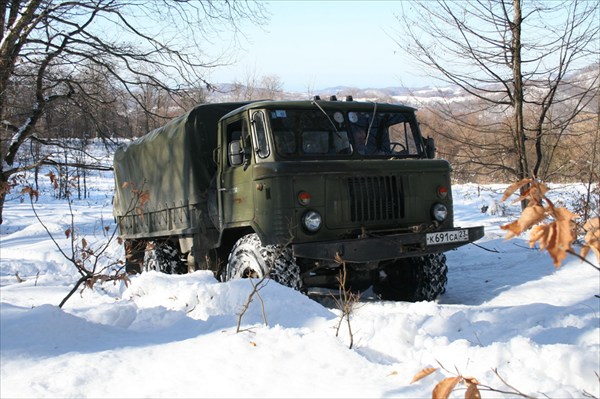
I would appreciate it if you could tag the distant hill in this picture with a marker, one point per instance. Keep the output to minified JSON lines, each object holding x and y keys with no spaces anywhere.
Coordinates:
{"x":416,"y":96}
{"x":236,"y":92}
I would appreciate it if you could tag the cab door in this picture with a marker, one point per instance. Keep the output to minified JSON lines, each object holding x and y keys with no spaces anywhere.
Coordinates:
{"x":236,"y":177}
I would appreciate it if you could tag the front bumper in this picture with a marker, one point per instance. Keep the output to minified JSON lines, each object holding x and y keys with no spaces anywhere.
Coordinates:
{"x":370,"y":249}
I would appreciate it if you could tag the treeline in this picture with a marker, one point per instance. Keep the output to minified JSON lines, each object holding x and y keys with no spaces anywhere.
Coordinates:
{"x":480,"y":146}
{"x":110,"y":114}
{"x":479,"y":140}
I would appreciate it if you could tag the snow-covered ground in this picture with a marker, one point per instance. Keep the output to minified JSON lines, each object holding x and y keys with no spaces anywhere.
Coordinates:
{"x":506,"y":308}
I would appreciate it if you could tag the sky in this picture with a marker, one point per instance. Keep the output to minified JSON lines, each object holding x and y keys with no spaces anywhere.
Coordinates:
{"x":319,"y":44}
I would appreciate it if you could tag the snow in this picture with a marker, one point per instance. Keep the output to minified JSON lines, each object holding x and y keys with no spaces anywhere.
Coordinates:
{"x":506,"y":308}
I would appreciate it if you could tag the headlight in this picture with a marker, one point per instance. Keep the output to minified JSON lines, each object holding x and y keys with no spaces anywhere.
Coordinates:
{"x":439,"y":212}
{"x":312,"y":221}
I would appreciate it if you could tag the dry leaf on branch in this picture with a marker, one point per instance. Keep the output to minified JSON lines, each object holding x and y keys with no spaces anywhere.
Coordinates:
{"x":557,"y":236}
{"x":510,"y":190}
{"x":531,"y":215}
{"x":472,"y":391}
{"x":53,"y":179}
{"x":534,"y":194}
{"x":423,"y":373}
{"x":33,"y":194}
{"x":443,"y":389}
{"x":592,"y":238}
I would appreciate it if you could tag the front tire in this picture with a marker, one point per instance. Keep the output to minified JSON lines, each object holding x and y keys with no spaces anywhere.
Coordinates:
{"x":249,"y":258}
{"x":421,"y":278}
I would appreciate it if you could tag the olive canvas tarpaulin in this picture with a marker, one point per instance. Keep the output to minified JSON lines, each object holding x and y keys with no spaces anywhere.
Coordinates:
{"x":174,"y":164}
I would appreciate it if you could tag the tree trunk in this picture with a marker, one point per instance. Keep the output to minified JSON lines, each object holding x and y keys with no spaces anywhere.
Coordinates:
{"x":522,"y":166}
{"x":4,"y":187}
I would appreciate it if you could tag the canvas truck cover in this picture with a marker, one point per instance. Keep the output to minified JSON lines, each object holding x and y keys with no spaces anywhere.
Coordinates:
{"x":174,"y":165}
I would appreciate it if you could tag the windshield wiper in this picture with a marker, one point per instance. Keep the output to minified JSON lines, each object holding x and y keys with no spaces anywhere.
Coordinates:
{"x":337,"y":133}
{"x":371,"y":123}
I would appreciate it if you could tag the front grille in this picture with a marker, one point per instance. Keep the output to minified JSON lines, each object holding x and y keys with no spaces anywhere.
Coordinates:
{"x":375,"y":198}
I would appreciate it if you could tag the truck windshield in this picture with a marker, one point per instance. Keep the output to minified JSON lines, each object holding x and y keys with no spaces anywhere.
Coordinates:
{"x":333,"y":133}
{"x":384,"y":133}
{"x":309,"y":132}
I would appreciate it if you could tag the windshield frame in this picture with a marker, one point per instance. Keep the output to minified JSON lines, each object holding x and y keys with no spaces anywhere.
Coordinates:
{"x":334,"y":121}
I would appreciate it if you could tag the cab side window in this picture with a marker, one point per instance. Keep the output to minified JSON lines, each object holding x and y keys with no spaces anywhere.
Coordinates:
{"x":262,"y":146}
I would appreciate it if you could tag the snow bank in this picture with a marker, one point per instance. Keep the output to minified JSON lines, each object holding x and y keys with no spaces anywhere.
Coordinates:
{"x":506,"y":308}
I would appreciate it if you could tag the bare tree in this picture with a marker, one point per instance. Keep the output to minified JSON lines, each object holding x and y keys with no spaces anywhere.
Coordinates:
{"x":523,"y":64}
{"x":52,"y":47}
{"x":271,"y":87}
{"x":255,"y":87}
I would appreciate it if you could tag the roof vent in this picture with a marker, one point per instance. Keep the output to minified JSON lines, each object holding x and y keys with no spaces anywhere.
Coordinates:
{"x":317,"y":98}
{"x":349,"y":98}
{"x":333,"y":98}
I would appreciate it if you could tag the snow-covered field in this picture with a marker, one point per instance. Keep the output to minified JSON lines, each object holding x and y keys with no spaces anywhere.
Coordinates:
{"x":506,"y":308}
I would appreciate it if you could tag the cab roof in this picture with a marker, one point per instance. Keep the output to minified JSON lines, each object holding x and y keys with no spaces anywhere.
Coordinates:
{"x":325,"y":104}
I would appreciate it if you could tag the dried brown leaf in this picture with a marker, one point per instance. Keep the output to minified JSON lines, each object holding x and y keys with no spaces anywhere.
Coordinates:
{"x":513,"y":229}
{"x":535,"y":193}
{"x":592,"y":238}
{"x":585,"y":250}
{"x":472,"y":391}
{"x":530,"y":216}
{"x":470,"y":380}
{"x":562,"y":214}
{"x":510,"y":190}
{"x":84,"y":243}
{"x":93,"y":280}
{"x":68,"y":232}
{"x":33,"y":194}
{"x":443,"y":389}
{"x":558,"y":240}
{"x":143,"y":197}
{"x":538,"y":233}
{"x":53,"y":179}
{"x":423,"y":373}
{"x":592,"y":224}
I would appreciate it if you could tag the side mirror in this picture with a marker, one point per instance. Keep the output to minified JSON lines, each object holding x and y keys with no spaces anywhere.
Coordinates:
{"x":430,"y":147}
{"x":235,"y":153}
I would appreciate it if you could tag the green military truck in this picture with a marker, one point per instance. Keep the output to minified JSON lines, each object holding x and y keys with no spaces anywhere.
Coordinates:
{"x":292,"y":190}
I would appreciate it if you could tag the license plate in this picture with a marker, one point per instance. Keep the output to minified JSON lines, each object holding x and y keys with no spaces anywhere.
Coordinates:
{"x":445,"y":237}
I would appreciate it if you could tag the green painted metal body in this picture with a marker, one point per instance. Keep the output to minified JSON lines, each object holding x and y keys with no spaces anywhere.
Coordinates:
{"x":222,"y":170}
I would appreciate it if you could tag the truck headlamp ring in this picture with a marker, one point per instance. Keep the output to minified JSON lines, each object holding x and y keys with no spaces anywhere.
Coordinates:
{"x":439,"y":212}
{"x":312,"y":221}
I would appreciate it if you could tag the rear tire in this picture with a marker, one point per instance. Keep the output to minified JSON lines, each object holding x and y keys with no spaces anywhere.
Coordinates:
{"x":421,"y":278}
{"x":163,"y":256}
{"x":249,"y":258}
